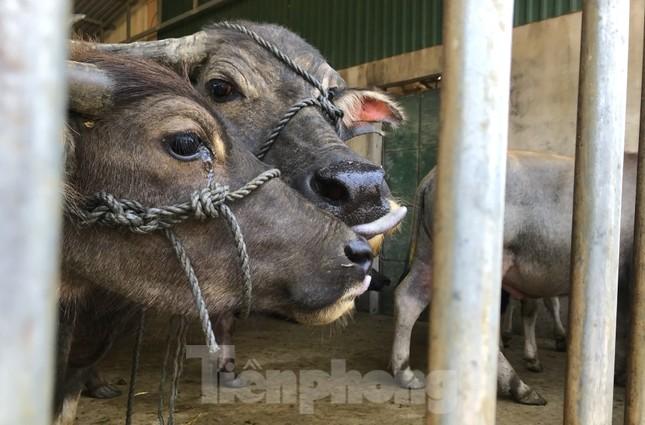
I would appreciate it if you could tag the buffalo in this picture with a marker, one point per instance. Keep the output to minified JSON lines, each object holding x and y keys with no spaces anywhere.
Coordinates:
{"x":536,"y":253}
{"x":252,"y":90}
{"x":140,"y":131}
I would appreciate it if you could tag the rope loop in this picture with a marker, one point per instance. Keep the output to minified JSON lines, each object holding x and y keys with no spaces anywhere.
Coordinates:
{"x":324,"y":100}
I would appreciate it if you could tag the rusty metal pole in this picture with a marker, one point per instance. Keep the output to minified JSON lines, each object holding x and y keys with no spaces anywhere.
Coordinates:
{"x":635,"y":390}
{"x":469,"y":211}
{"x":596,"y":216}
{"x":33,"y":40}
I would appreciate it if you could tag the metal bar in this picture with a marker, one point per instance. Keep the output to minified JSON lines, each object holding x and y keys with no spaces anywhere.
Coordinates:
{"x":33,"y":42}
{"x":596,"y":215}
{"x":635,"y":390}
{"x":213,"y":4}
{"x":469,"y":210}
{"x":128,"y":19}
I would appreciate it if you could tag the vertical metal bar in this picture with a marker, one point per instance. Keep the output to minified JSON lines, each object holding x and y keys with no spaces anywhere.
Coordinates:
{"x":159,"y":12}
{"x":128,"y":20}
{"x":33,"y":40}
{"x":469,"y":209}
{"x":635,"y":390}
{"x":596,"y":216}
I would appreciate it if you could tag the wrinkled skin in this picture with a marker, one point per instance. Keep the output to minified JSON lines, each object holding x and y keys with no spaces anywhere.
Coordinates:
{"x":536,"y":256}
{"x":299,"y":254}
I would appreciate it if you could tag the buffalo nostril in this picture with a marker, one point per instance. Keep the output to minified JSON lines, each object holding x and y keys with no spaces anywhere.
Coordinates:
{"x":329,"y":188}
{"x":359,"y":252}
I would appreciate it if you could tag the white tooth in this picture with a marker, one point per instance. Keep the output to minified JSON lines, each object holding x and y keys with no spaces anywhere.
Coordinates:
{"x":381,"y":225}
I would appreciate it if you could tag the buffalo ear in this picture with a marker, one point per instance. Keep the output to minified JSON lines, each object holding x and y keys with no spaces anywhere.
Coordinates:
{"x":365,"y":109}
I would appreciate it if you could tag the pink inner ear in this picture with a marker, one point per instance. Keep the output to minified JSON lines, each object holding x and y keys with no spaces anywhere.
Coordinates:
{"x":373,"y":111}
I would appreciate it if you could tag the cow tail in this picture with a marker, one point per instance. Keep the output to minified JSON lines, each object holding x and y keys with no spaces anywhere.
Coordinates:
{"x":418,"y":212}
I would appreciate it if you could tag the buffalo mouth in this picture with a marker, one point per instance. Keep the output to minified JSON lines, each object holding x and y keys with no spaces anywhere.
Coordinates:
{"x":383,"y":225}
{"x":342,"y":307}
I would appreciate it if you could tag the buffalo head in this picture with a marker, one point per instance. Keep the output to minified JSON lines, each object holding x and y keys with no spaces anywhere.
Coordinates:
{"x":253,"y":89}
{"x":141,"y":132}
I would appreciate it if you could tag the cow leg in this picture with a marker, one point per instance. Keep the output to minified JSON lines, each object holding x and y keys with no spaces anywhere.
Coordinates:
{"x":510,"y":384}
{"x":224,"y":327}
{"x":529,"y":317}
{"x":411,"y":297}
{"x":67,"y":415}
{"x":507,"y":323}
{"x":552,"y":304}
{"x":97,"y":386}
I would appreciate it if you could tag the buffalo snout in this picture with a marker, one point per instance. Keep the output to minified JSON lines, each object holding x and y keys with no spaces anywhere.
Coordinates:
{"x":354,"y":191}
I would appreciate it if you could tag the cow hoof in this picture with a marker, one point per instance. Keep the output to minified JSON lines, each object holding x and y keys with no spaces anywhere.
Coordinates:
{"x":407,"y":379}
{"x":534,"y":365}
{"x":102,"y":392}
{"x":561,"y":345}
{"x":531,"y":398}
{"x":230,"y":380}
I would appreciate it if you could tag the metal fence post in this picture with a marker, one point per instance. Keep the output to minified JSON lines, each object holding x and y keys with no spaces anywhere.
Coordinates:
{"x":635,"y":391}
{"x":596,"y":216}
{"x":469,"y":210}
{"x":33,"y":39}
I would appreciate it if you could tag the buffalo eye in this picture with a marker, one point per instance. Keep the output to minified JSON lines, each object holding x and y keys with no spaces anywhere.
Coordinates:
{"x":222,"y":90}
{"x":184,"y":146}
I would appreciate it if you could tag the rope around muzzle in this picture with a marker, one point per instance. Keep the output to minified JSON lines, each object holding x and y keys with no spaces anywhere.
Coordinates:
{"x":324,"y":100}
{"x":210,"y":202}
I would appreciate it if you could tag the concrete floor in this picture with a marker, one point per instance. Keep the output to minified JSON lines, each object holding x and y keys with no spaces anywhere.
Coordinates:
{"x":264,"y":344}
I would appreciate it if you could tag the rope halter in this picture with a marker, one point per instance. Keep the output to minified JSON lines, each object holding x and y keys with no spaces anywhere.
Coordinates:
{"x":210,"y":202}
{"x":324,"y":100}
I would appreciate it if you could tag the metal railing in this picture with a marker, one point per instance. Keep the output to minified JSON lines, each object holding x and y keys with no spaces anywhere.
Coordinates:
{"x":595,"y":244}
{"x":33,"y":39}
{"x":635,"y":391}
{"x":469,"y":212}
{"x":464,"y":324}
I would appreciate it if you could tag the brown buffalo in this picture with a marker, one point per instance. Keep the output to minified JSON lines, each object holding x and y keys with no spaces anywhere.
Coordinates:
{"x":140,"y":131}
{"x":252,"y":90}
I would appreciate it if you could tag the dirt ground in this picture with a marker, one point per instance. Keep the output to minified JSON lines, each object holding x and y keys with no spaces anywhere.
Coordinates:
{"x":264,"y":344}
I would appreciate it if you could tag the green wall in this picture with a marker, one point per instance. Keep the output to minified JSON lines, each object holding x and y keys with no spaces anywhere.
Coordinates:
{"x":351,"y":32}
{"x":408,"y":154}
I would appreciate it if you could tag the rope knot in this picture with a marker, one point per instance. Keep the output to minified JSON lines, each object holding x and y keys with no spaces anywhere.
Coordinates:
{"x":207,"y":202}
{"x":326,"y":103}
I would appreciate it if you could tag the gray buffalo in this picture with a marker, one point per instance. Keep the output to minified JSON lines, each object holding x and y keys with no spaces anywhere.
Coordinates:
{"x":252,"y":89}
{"x":536,"y":256}
{"x":529,"y":312}
{"x":139,"y":131}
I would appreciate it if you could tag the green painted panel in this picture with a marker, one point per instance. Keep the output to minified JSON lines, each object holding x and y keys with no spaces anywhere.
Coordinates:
{"x":408,"y":155}
{"x":351,"y":32}
{"x":407,"y":135}
{"x":401,"y":172}
{"x":527,"y":11}
{"x":170,"y":9}
{"x":429,"y":132}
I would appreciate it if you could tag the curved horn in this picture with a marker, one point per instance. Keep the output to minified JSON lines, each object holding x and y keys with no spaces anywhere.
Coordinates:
{"x":90,"y":88}
{"x":188,"y":49}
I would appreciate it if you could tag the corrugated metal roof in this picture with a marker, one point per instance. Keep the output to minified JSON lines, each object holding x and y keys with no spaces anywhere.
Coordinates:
{"x":99,"y":15}
{"x":527,"y":11}
{"x":351,"y":32}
